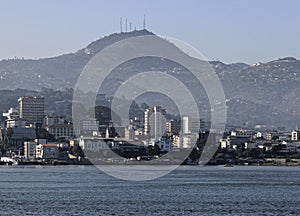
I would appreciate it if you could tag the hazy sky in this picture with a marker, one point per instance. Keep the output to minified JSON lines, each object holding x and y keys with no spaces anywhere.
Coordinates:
{"x":229,"y":30}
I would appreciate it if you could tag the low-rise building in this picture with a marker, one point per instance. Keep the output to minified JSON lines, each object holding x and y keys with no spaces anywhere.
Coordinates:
{"x":225,"y":143}
{"x":47,"y":151}
{"x":129,"y":133}
{"x":61,"y":130}
{"x":51,"y":120}
{"x":163,"y":143}
{"x":250,"y":145}
{"x":17,"y":136}
{"x":185,"y":140}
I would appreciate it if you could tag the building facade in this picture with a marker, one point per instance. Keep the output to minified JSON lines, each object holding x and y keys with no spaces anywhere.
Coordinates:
{"x":32,"y":109}
{"x":155,"y":122}
{"x":174,"y":126}
{"x":47,"y":151}
{"x":61,"y":130}
{"x":29,"y":150}
{"x":190,"y":125}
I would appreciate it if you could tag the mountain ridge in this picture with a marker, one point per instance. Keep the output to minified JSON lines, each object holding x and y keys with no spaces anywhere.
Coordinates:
{"x":270,"y":87}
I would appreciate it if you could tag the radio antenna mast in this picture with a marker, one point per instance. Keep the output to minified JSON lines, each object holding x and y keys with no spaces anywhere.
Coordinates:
{"x":121,"y":30}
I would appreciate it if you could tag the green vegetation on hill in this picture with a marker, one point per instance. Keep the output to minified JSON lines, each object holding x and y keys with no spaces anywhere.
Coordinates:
{"x":268,"y":91}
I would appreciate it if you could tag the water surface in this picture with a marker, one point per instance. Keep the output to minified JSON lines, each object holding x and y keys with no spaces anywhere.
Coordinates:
{"x":189,"y":190}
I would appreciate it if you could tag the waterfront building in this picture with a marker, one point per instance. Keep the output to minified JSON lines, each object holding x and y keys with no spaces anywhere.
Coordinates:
{"x":29,"y":150}
{"x":47,"y":151}
{"x":163,"y":143}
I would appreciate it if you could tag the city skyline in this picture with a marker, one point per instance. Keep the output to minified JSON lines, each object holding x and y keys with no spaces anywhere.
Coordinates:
{"x":231,"y":31}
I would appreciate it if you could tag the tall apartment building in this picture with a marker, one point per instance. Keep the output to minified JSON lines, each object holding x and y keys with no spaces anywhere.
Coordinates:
{"x":155,"y":121}
{"x":190,"y":125}
{"x":32,"y":109}
{"x":174,"y":126}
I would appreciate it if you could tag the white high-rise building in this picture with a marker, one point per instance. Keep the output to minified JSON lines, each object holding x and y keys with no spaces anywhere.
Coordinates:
{"x":155,"y":122}
{"x":190,"y":125}
{"x":185,"y":124}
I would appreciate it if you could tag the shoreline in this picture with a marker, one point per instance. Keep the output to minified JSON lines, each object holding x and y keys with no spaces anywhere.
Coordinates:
{"x":139,"y":163}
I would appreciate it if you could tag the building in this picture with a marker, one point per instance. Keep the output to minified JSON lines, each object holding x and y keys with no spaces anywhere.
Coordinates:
{"x":185,"y":140}
{"x":13,"y":119}
{"x":51,"y":120}
{"x":89,"y":126}
{"x":163,"y":143}
{"x":12,"y":113}
{"x":188,"y":140}
{"x":250,"y":145}
{"x":155,"y":122}
{"x":47,"y":151}
{"x":31,"y":109}
{"x":284,"y":136}
{"x":137,"y":122}
{"x":185,"y":124}
{"x":176,"y":141}
{"x":268,"y":135}
{"x":225,"y":143}
{"x":11,"y":123}
{"x":243,"y":134}
{"x":61,"y":130}
{"x":294,"y":135}
{"x":129,"y":133}
{"x":19,"y":135}
{"x":173,"y":126}
{"x":190,"y":125}
{"x":29,"y":150}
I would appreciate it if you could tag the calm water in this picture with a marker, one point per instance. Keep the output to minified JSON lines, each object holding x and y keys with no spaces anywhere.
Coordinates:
{"x":189,"y":190}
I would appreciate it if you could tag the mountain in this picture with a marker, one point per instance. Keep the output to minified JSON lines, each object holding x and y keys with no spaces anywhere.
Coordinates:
{"x":58,"y":72}
{"x":263,"y":93}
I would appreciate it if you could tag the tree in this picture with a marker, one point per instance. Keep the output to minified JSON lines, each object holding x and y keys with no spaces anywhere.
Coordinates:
{"x":2,"y":147}
{"x":153,"y":150}
{"x":8,"y":136}
{"x":194,"y":155}
{"x":76,"y":150}
{"x":156,"y":149}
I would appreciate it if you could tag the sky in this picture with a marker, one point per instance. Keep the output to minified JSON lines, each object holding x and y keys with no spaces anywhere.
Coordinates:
{"x":249,"y":31}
